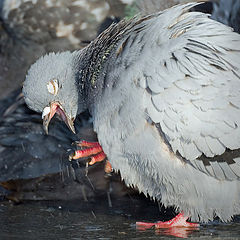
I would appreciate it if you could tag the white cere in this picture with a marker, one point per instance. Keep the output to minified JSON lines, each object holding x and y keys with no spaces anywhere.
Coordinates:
{"x":52,"y":87}
{"x":46,"y":111}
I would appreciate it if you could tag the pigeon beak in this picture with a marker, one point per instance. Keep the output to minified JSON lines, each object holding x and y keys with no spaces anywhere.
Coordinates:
{"x":49,"y":112}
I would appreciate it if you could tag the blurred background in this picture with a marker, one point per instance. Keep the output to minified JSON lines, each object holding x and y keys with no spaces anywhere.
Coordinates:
{"x":35,"y":166}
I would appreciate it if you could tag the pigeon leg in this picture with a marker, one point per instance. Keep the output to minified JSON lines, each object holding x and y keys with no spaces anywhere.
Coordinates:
{"x":179,"y":221}
{"x":92,"y":148}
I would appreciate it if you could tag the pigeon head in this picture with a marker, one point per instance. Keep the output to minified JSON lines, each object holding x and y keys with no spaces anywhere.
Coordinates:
{"x":50,"y":88}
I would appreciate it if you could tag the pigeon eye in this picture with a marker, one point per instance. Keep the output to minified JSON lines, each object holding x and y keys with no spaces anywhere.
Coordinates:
{"x":52,"y":87}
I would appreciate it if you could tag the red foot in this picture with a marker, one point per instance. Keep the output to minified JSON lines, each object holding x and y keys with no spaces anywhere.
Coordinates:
{"x":92,"y":148}
{"x":179,"y":221}
{"x":97,"y":158}
{"x":87,"y":152}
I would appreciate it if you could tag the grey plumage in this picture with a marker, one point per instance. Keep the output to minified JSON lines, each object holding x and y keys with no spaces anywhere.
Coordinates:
{"x":163,"y":92}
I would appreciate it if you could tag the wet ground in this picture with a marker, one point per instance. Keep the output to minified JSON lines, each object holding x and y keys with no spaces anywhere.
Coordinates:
{"x":96,"y":220}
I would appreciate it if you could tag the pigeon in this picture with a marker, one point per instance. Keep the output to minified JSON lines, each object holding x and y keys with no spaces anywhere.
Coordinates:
{"x":163,"y":93}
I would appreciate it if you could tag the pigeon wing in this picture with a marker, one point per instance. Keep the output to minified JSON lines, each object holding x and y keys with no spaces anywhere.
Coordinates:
{"x":192,"y":80}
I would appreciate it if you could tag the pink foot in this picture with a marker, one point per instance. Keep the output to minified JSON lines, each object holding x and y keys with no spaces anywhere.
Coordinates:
{"x":94,"y":151}
{"x":179,"y":221}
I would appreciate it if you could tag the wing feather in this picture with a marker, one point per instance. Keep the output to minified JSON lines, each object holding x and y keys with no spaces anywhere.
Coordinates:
{"x":193,"y":83}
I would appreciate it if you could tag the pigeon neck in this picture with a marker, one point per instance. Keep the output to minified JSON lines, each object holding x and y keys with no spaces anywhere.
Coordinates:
{"x":94,"y":60}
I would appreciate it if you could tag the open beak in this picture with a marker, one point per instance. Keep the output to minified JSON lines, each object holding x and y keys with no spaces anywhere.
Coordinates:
{"x":49,"y":112}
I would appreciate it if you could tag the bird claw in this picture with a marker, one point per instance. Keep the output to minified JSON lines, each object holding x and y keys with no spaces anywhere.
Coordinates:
{"x":179,"y":221}
{"x":92,"y":150}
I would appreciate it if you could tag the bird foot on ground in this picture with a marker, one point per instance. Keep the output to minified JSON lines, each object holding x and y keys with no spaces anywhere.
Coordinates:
{"x":92,"y":150}
{"x":179,"y":221}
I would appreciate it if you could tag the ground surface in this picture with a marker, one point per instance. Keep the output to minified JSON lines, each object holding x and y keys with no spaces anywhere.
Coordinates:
{"x":96,"y":220}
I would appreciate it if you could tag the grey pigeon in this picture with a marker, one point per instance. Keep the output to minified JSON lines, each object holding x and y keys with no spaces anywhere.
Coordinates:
{"x":164,"y":95}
